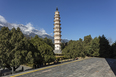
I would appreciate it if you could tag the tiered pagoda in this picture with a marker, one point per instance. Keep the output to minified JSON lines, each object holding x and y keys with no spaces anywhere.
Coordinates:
{"x":57,"y":33}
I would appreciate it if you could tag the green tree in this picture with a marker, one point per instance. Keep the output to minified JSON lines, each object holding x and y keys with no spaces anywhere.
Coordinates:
{"x":113,"y":50}
{"x":87,"y":42}
{"x":81,"y":48}
{"x":63,"y":45}
{"x":4,"y":44}
{"x":68,"y":50}
{"x":104,"y":47}
{"x":74,"y":49}
{"x":94,"y":47}
{"x":46,"y":51}
{"x":14,"y":48}
{"x":49,"y":42}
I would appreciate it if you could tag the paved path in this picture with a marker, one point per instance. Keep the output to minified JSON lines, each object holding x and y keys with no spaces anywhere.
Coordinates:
{"x":92,"y":67}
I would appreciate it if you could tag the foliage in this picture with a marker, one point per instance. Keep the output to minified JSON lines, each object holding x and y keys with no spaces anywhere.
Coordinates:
{"x":87,"y":42}
{"x":14,"y":48}
{"x":63,"y":45}
{"x":94,"y":47}
{"x":104,"y":47}
{"x":46,"y":51}
{"x":49,"y":42}
{"x":113,"y":50}
{"x":74,"y":49}
{"x":97,"y":47}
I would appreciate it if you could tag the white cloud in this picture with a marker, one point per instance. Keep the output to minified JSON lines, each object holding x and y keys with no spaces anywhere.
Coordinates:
{"x":2,"y":19}
{"x":43,"y":31}
{"x":1,"y":25}
{"x":15,"y":26}
{"x":29,"y":27}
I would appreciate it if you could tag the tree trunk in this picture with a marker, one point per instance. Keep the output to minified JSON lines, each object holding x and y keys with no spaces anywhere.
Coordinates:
{"x":34,"y":65}
{"x":22,"y":68}
{"x":8,"y":66}
{"x":0,"y":73}
{"x":14,"y":68}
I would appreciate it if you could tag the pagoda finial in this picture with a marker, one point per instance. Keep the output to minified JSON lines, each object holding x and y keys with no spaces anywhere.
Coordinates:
{"x":56,"y":8}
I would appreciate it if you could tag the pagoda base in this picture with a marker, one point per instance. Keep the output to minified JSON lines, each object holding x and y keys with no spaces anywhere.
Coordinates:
{"x":57,"y":51}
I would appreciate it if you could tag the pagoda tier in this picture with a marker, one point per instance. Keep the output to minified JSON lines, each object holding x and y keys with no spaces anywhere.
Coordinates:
{"x":57,"y":24}
{"x":57,"y":39}
{"x":57,"y":31}
{"x":57,"y":44}
{"x":57,"y":20}
{"x":57,"y":17}
{"x":57,"y":35}
{"x":56,"y":27}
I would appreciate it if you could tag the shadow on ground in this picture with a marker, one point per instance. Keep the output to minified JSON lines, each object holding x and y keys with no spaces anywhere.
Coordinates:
{"x":112,"y":64}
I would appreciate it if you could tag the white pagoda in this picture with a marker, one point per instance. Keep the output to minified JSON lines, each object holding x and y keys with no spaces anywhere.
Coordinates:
{"x":57,"y":33}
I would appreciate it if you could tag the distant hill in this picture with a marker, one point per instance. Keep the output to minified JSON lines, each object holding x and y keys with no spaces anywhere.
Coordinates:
{"x":28,"y":33}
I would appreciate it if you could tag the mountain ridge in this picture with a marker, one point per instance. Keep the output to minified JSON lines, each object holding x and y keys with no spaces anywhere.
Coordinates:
{"x":31,"y":32}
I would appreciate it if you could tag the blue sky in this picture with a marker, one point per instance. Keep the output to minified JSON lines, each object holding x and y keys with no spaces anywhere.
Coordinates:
{"x":78,"y":17}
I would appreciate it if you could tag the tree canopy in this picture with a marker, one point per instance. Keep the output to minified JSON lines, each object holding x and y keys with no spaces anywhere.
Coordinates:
{"x":15,"y":49}
{"x":97,"y":47}
{"x":45,"y":50}
{"x":74,"y":49}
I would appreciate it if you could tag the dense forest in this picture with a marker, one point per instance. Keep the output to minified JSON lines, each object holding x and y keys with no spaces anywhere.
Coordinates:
{"x":17,"y":49}
{"x":97,"y":47}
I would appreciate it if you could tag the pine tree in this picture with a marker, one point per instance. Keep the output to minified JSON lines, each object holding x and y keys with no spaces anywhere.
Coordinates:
{"x":94,"y":47}
{"x":74,"y":49}
{"x":113,"y":50}
{"x":49,"y":42}
{"x":15,"y":49}
{"x":46,"y":51}
{"x":87,"y":41}
{"x":104,"y":47}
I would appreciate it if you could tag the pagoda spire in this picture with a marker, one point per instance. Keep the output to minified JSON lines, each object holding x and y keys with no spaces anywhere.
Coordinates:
{"x":56,"y":8}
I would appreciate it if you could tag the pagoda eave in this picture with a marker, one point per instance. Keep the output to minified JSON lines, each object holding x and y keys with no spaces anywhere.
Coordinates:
{"x":57,"y":28}
{"x":56,"y":24}
{"x":57,"y":43}
{"x":57,"y":20}
{"x":58,"y":35}
{"x":58,"y":31}
{"x":56,"y":15}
